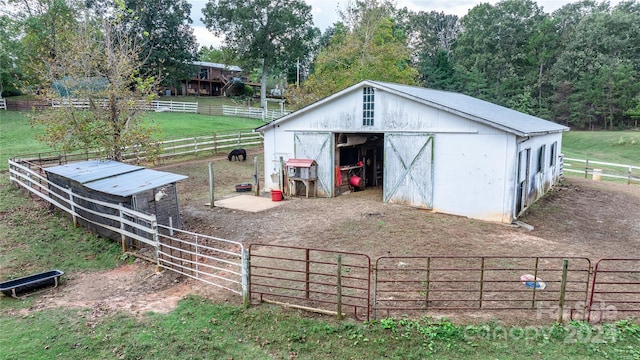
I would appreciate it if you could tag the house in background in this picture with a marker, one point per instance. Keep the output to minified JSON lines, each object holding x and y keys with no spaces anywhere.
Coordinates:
{"x":431,"y":149}
{"x":213,"y":79}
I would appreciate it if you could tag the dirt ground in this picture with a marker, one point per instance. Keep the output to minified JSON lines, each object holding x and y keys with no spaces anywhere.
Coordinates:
{"x":579,"y":217}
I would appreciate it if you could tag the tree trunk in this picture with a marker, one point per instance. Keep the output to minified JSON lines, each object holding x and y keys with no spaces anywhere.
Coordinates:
{"x":263,"y":84}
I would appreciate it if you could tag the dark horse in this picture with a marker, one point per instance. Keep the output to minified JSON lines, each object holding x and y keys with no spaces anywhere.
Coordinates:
{"x":236,"y":153}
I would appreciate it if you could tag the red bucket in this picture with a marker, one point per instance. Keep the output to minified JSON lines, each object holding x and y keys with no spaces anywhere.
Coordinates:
{"x":276,"y":195}
{"x":356,"y":181}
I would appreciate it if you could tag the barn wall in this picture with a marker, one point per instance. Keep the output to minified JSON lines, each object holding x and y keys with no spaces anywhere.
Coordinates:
{"x":163,"y":202}
{"x":473,"y":175}
{"x":542,"y":173}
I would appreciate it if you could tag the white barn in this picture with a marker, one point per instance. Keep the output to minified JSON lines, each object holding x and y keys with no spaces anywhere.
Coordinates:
{"x":437,"y":150}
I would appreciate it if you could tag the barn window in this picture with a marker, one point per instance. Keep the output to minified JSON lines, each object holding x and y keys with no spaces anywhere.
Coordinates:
{"x":552,"y":157}
{"x":541,"y":152}
{"x":367,"y":106}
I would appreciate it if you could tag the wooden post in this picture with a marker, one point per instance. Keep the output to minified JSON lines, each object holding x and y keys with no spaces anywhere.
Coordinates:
{"x":211,"y":184}
{"x":246,"y":278}
{"x":339,"y":290}
{"x":586,"y":168}
{"x":563,"y":288}
{"x":256,"y":180}
{"x":123,"y":238}
{"x":281,"y":175}
{"x":306,"y":286}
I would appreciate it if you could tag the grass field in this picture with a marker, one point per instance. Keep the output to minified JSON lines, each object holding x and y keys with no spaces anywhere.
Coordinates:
{"x":17,"y":136}
{"x":34,"y":239}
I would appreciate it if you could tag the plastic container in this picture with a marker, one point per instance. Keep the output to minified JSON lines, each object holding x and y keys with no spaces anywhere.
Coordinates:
{"x":276,"y":195}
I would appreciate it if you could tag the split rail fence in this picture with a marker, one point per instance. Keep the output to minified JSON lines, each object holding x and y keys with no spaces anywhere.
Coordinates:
{"x":345,"y":283}
{"x":598,"y":170}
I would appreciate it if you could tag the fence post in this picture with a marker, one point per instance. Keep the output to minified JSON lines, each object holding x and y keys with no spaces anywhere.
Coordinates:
{"x":629,"y":177}
{"x":586,"y":168}
{"x":156,"y":240}
{"x":211,"y":196}
{"x":123,"y":238}
{"x":339,"y":283}
{"x":246,"y":278}
{"x":481,"y":282}
{"x":563,"y":288}
{"x":73,"y":208}
{"x":306,"y":283}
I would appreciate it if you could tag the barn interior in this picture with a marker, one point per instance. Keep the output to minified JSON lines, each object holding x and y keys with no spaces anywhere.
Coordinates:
{"x":359,"y":161}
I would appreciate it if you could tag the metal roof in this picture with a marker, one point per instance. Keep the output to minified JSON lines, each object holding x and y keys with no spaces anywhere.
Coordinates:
{"x":474,"y":109}
{"x":134,"y":182}
{"x":305,"y":163}
{"x":499,"y":116}
{"x":86,"y":171}
{"x":217,"y":65}
{"x":115,"y":178}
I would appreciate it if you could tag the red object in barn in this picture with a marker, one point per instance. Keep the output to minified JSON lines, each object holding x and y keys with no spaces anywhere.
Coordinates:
{"x":356,"y":181}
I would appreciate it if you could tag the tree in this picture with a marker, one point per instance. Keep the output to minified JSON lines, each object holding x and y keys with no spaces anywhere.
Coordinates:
{"x":497,"y":42}
{"x":9,"y":55}
{"x":101,"y":66}
{"x":432,"y":36}
{"x":601,"y":64}
{"x":372,"y":48}
{"x":166,"y":38}
{"x":271,"y":34}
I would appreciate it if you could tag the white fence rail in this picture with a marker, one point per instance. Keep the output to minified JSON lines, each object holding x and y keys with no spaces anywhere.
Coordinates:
{"x":214,"y":143}
{"x":178,"y":106}
{"x":254,"y":113}
{"x":158,"y":106}
{"x":599,"y":170}
{"x":215,"y":261}
{"x":3,"y":104}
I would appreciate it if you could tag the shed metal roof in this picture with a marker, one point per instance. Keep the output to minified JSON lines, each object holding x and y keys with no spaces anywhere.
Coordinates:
{"x":493,"y":115}
{"x":115,"y":178}
{"x":304,"y":163}
{"x":134,"y":182}
{"x":92,"y":170}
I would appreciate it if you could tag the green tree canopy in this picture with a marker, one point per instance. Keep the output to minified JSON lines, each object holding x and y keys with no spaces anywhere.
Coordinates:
{"x":271,"y":34}
{"x":101,"y":65}
{"x":372,"y":47}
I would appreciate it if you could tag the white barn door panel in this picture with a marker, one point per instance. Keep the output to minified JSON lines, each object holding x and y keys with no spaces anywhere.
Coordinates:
{"x":319,"y":147}
{"x":408,"y":169}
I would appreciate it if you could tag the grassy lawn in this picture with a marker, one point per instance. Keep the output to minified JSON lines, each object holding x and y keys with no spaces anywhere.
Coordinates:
{"x":15,"y":125}
{"x":622,"y":147}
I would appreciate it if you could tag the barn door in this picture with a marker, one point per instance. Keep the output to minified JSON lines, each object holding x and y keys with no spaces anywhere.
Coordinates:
{"x":524,"y":158}
{"x":319,"y":147}
{"x":408,"y":169}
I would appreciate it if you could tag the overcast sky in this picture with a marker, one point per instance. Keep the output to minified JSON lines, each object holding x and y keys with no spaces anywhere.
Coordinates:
{"x":325,"y":12}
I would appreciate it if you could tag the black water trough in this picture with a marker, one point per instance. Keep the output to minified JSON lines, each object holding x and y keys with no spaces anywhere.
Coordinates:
{"x":30,"y":283}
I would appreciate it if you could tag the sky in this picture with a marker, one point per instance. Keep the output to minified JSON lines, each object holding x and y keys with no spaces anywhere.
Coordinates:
{"x":325,"y":12}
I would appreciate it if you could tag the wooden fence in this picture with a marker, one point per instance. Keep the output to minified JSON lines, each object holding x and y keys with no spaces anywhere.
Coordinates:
{"x":158,"y":106}
{"x":598,"y":170}
{"x":214,"y":143}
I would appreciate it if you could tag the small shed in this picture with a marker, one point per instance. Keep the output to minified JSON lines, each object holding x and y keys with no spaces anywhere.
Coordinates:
{"x":437,"y":150}
{"x":134,"y":187}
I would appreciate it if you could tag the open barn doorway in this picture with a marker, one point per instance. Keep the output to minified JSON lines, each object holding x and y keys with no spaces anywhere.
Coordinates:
{"x":359,"y":161}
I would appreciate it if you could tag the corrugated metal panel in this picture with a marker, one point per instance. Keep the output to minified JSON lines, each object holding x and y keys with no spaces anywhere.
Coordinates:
{"x":319,"y":147}
{"x":92,"y":170}
{"x":135,"y":182}
{"x":521,"y":123}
